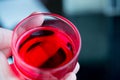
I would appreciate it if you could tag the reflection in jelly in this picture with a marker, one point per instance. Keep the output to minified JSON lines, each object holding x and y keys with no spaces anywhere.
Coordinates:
{"x":46,"y":48}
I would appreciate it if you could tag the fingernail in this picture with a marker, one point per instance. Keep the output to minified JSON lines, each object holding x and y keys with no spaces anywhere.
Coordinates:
{"x":34,"y":13}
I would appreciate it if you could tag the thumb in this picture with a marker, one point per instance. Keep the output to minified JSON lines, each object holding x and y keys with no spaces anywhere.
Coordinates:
{"x":5,"y":71}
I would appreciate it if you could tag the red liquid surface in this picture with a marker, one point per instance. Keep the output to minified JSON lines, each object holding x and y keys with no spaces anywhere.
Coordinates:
{"x":46,"y":47}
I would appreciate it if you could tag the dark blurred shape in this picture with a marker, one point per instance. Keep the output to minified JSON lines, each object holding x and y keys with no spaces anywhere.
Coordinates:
{"x":54,"y":6}
{"x":114,"y":66}
{"x":114,"y":3}
{"x":96,"y":32}
{"x":92,"y":72}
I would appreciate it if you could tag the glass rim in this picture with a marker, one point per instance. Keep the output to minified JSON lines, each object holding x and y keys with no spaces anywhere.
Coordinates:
{"x":15,"y":52}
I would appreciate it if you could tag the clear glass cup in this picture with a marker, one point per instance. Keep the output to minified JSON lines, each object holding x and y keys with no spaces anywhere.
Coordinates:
{"x":38,"y":21}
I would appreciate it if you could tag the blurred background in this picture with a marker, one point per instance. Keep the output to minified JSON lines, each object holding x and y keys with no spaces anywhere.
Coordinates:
{"x":98,"y":22}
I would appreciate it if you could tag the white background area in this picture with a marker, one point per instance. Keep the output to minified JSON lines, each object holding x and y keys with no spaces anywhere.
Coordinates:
{"x":13,"y":11}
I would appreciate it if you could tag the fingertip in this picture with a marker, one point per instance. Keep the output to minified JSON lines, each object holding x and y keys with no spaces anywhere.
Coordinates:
{"x":71,"y":76}
{"x":77,"y":67}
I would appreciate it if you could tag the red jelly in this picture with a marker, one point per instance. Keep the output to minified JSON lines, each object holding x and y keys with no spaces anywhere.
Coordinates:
{"x":46,"y":47}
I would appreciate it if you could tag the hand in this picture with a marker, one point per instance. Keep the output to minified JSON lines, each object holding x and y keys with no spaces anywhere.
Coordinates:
{"x":5,"y":40}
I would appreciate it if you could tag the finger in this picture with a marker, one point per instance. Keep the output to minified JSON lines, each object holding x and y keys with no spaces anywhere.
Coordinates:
{"x":70,"y":76}
{"x":76,"y":68}
{"x":6,"y":51}
{"x":5,"y":71}
{"x":34,"y":13}
{"x":5,"y":38}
